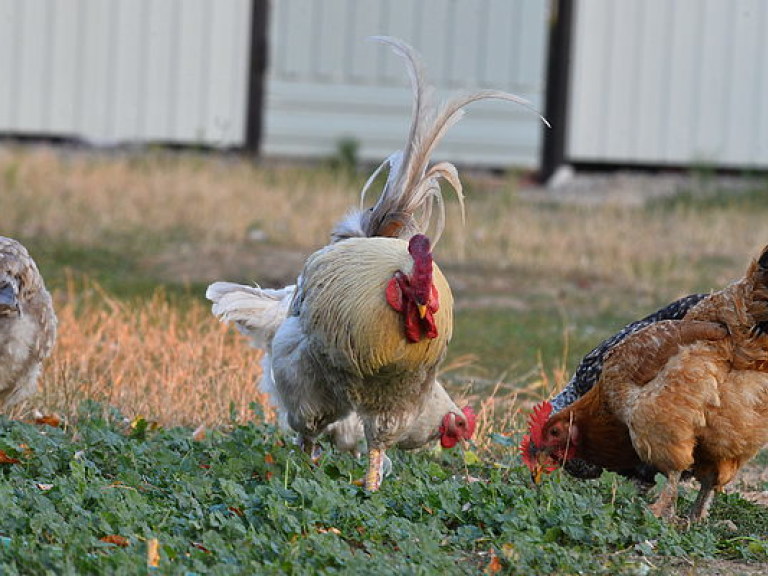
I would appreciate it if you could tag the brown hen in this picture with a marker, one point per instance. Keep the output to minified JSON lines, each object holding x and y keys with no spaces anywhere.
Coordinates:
{"x":677,"y":395}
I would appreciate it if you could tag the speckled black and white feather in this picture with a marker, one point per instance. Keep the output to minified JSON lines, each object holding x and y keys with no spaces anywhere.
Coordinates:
{"x":588,"y":372}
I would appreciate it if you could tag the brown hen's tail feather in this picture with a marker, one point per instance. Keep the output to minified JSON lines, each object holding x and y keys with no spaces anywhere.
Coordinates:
{"x":405,"y":205}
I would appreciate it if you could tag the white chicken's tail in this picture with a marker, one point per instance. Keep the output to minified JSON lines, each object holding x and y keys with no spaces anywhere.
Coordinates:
{"x":257,"y":312}
{"x":404,"y":207}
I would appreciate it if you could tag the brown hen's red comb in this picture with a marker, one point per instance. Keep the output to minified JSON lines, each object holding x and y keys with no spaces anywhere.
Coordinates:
{"x":533,"y":442}
{"x":537,"y":419}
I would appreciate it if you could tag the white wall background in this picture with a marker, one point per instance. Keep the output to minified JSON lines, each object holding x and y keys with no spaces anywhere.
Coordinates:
{"x":125,"y":70}
{"x":327,"y":82}
{"x":670,"y":82}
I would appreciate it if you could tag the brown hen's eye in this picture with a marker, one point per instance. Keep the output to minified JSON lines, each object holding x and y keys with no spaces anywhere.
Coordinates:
{"x":554,"y":432}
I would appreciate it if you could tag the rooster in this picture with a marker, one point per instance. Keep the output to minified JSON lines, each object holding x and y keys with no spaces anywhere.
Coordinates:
{"x":690,"y":394}
{"x":27,"y":323}
{"x":258,"y":312}
{"x":371,"y":316}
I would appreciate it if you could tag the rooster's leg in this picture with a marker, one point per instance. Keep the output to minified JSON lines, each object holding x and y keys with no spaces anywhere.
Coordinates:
{"x":375,"y":463}
{"x":700,"y":507}
{"x":664,"y":507}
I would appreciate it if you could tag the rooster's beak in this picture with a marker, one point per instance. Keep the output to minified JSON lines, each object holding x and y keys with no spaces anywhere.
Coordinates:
{"x":422,"y":310}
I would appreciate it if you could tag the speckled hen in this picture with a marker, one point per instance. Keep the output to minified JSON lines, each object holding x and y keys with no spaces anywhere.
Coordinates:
{"x":27,"y":323}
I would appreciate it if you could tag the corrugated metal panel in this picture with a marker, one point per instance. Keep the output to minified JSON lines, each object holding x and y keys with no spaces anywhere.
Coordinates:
{"x":327,"y":82}
{"x":670,"y":82}
{"x":126,"y":70}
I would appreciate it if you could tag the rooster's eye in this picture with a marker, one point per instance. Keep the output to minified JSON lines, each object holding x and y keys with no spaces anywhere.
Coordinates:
{"x":461,"y":423}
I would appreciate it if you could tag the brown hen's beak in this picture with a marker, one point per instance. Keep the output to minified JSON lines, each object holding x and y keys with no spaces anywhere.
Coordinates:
{"x":422,"y":310}
{"x":539,"y":467}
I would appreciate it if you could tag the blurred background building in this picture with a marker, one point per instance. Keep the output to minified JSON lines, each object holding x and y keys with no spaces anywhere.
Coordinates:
{"x":653,"y":83}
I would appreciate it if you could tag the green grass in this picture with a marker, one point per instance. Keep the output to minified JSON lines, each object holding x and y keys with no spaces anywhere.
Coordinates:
{"x":509,"y":343}
{"x":242,"y":499}
{"x":246,"y":501}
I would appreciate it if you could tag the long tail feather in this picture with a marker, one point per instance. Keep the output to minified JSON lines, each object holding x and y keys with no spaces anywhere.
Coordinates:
{"x":405,"y":206}
{"x":256,"y":312}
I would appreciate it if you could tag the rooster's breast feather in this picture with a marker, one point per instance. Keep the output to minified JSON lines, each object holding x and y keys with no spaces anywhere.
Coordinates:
{"x":342,"y":303}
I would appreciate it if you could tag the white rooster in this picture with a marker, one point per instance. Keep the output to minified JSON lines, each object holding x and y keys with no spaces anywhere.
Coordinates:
{"x":364,"y":331}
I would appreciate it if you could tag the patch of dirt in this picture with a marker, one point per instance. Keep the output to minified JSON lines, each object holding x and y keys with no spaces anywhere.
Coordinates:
{"x":627,"y":188}
{"x":749,"y":483}
{"x":709,"y":567}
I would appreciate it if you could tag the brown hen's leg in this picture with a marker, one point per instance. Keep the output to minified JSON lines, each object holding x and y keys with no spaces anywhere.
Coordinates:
{"x":373,"y":475}
{"x":664,"y":507}
{"x":700,"y":507}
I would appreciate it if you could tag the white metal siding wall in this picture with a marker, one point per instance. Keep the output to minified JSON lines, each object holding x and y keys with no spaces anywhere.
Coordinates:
{"x":326,"y":81}
{"x":126,"y":70}
{"x":670,"y":82}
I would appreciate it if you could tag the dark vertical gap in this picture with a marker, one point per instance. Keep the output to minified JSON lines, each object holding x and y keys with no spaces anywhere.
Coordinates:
{"x":143,"y":80}
{"x":205,"y":66}
{"x":111,"y":73}
{"x":81,"y":39}
{"x":48,"y":79}
{"x":258,"y":67}
{"x":174,"y":74}
{"x":558,"y":71}
{"x":17,"y":66}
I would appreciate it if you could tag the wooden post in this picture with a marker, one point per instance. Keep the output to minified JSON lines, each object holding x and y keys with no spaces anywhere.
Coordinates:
{"x":558,"y":71}
{"x":256,"y":73}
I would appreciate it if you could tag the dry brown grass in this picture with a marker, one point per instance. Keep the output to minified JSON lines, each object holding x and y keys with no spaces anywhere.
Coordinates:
{"x":182,"y":367}
{"x":150,"y":359}
{"x":92,"y":200}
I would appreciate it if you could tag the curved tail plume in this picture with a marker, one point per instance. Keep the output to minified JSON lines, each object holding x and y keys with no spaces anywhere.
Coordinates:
{"x":405,"y":205}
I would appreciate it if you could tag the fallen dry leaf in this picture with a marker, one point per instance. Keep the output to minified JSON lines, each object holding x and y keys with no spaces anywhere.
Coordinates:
{"x":199,"y":546}
{"x":199,"y":434}
{"x":115,"y":539}
{"x":49,"y":420}
{"x":5,"y":459}
{"x":494,"y":566}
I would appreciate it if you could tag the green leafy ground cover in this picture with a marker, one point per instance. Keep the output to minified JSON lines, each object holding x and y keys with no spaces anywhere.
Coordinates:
{"x":89,"y":497}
